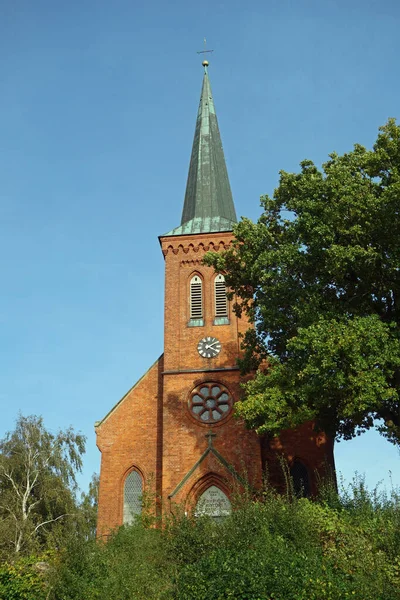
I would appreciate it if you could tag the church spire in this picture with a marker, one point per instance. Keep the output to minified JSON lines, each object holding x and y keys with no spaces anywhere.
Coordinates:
{"x":208,"y":204}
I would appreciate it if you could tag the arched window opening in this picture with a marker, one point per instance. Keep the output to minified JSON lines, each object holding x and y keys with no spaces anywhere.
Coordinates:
{"x":196,"y":301}
{"x":133,"y":490}
{"x":301,"y":480}
{"x":220,"y":301}
{"x":213,"y":503}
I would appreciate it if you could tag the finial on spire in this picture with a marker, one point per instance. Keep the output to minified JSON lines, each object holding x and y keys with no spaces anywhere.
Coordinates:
{"x":205,"y":51}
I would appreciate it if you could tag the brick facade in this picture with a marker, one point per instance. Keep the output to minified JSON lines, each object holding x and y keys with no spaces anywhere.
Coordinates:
{"x":152,"y":429}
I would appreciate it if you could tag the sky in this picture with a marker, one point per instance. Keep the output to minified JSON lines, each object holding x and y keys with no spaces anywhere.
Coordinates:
{"x":98,"y":102}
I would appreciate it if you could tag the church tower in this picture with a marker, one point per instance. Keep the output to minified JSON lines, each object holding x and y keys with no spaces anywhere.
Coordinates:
{"x":174,"y":432}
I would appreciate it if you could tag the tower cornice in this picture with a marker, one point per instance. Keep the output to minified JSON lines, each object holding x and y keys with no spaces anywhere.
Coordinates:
{"x":196,"y":245}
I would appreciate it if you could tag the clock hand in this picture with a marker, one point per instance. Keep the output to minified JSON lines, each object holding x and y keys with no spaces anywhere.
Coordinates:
{"x":210,"y":345}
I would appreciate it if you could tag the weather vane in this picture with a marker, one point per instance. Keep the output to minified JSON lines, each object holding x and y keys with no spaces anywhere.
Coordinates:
{"x":205,"y":51}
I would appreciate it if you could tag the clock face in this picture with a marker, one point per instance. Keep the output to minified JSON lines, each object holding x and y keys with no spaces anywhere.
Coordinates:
{"x":209,"y":347}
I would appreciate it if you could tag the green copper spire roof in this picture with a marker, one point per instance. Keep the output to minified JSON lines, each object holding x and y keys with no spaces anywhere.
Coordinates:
{"x":208,"y":202}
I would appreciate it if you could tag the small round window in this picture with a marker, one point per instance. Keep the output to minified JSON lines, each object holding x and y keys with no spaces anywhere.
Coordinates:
{"x":210,"y":402}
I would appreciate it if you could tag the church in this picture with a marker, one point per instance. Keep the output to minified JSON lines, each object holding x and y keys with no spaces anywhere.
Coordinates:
{"x":174,"y":433}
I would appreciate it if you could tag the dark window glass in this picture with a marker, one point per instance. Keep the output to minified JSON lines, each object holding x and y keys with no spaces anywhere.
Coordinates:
{"x":301,"y":480}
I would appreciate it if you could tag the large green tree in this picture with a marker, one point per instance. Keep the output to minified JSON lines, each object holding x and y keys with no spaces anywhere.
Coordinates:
{"x":38,"y":468}
{"x":318,"y":276}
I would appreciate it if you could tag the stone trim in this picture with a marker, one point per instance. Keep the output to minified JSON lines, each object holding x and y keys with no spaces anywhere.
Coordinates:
{"x":210,"y":449}
{"x":182,"y":371}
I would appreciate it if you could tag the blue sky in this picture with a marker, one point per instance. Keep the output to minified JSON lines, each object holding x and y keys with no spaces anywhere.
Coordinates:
{"x":97,"y":111}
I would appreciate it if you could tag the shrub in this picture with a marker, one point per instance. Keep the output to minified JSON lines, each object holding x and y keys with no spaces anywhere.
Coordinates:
{"x":132,"y":564}
{"x":24,"y":579}
{"x":280,"y":548}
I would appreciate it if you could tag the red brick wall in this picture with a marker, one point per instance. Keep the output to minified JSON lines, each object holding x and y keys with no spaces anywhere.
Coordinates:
{"x":129,"y":436}
{"x":314,"y":449}
{"x":152,"y":429}
{"x":183,"y":436}
{"x":183,"y":259}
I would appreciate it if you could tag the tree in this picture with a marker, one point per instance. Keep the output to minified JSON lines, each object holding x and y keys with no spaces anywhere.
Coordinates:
{"x":88,"y":508}
{"x":318,"y":276}
{"x":37,"y":485}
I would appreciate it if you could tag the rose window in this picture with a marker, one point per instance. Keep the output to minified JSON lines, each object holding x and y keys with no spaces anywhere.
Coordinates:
{"x":210,"y":402}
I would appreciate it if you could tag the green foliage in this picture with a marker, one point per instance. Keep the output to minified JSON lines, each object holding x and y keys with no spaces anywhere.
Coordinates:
{"x":132,"y":564}
{"x":340,"y":547}
{"x":319,"y":277}
{"x":86,"y":520}
{"x":290,"y":551}
{"x":38,"y":509}
{"x":24,"y":579}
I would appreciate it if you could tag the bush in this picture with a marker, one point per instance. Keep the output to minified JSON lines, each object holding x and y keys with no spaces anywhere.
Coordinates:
{"x":278,"y":549}
{"x":132,"y":564}
{"x":24,"y":579}
{"x":289,"y":551}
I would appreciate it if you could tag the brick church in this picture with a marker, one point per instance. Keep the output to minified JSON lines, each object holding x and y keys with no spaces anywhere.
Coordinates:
{"x":174,"y":432}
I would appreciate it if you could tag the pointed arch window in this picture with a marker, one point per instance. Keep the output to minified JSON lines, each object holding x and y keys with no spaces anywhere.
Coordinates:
{"x":133,"y":490}
{"x":220,"y":301}
{"x":196,"y":301}
{"x":301,"y":479}
{"x":214,"y":503}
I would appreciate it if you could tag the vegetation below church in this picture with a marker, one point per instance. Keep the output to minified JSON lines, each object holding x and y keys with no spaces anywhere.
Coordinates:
{"x":280,"y":548}
{"x":275,"y":547}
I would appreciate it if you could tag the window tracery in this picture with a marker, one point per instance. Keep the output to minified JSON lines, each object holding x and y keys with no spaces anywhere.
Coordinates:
{"x":133,"y":490}
{"x":210,"y":402}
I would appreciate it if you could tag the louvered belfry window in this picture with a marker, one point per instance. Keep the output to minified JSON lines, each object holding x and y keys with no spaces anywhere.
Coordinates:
{"x":221,"y":301}
{"x":133,"y":490}
{"x":196,"y":298}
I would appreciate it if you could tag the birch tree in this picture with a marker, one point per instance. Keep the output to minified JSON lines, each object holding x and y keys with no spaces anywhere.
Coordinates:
{"x":37,"y":484}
